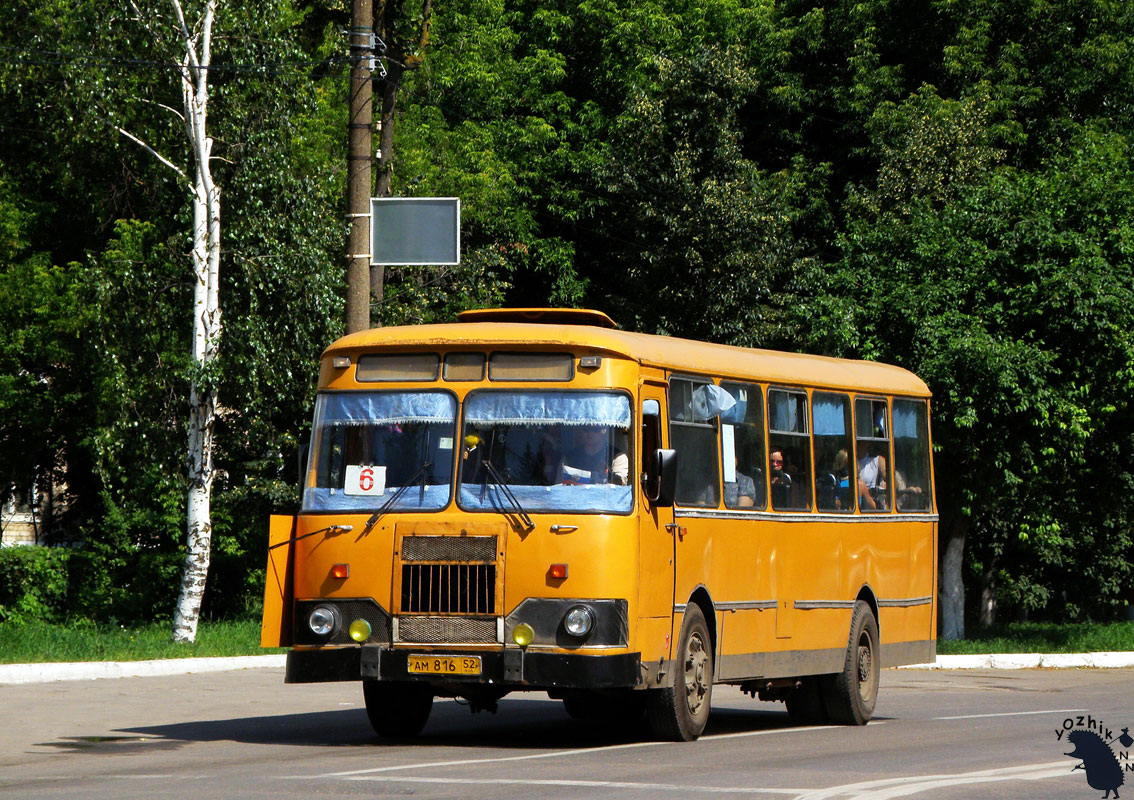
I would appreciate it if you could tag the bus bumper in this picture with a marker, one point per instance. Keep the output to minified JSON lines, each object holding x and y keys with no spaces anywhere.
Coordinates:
{"x":511,"y":668}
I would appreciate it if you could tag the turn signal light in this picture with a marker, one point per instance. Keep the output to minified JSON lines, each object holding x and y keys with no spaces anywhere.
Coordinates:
{"x":523,"y":634}
{"x":359,"y":630}
{"x":557,"y":571}
{"x":340,"y":571}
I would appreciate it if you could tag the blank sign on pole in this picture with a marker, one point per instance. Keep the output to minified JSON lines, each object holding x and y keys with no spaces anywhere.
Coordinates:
{"x":415,"y":230}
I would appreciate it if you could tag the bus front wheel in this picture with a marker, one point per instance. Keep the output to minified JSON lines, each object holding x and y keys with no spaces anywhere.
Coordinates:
{"x":681,"y":711}
{"x":851,"y":694}
{"x":397,"y":710}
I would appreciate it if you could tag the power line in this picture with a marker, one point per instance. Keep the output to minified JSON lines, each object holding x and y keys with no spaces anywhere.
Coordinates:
{"x":55,"y":58}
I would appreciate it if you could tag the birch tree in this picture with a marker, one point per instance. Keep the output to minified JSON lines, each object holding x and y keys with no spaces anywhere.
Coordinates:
{"x":206,"y":319}
{"x":195,"y":40}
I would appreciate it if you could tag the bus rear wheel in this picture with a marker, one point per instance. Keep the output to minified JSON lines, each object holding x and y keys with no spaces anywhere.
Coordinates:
{"x":397,"y":710}
{"x":681,"y":711}
{"x":851,"y":694}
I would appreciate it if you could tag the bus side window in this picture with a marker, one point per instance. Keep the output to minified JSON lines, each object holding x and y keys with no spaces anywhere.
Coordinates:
{"x":911,"y":455}
{"x":694,"y":408}
{"x":831,"y":433}
{"x":789,"y":450}
{"x":872,"y":454}
{"x":742,"y":448}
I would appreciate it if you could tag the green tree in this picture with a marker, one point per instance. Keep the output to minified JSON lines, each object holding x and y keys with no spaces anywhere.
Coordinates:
{"x":108,"y":207}
{"x":1009,"y":292}
{"x":42,"y":388}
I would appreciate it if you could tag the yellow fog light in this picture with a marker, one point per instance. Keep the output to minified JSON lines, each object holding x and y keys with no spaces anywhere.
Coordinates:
{"x":523,"y":634}
{"x":359,"y":630}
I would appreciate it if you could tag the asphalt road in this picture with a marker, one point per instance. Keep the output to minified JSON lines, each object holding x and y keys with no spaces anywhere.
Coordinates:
{"x":234,"y":735}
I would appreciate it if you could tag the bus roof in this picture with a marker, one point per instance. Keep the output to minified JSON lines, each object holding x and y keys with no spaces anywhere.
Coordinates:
{"x":682,"y":356}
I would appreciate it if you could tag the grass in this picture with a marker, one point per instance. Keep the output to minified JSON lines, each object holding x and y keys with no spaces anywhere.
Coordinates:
{"x":37,"y":642}
{"x":1043,"y":637}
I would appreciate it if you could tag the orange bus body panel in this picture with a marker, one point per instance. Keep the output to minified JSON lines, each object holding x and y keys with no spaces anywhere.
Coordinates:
{"x":275,"y":627}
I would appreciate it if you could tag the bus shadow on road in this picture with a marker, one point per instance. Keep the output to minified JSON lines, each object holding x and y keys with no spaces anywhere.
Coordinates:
{"x":519,"y":724}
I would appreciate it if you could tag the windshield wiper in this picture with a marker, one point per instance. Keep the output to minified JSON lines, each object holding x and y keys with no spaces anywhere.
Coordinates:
{"x":528,"y":525}
{"x":381,"y":512}
{"x":333,"y":530}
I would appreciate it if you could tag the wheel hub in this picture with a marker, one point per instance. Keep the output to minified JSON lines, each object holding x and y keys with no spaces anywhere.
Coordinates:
{"x":696,"y":665}
{"x":865,"y":663}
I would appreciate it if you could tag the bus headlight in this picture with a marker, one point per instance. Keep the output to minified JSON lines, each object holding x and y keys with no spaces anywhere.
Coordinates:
{"x":579,"y":621}
{"x":323,"y":620}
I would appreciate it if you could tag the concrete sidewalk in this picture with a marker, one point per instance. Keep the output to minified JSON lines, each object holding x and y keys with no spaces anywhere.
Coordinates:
{"x":94,"y":670}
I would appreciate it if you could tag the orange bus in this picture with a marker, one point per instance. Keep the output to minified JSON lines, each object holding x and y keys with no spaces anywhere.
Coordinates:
{"x":530,"y":499}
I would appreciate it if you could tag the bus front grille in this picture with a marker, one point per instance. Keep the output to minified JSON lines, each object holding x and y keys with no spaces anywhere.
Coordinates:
{"x":448,"y":589}
{"x":449,"y":548}
{"x":449,"y":592}
{"x":447,"y":630}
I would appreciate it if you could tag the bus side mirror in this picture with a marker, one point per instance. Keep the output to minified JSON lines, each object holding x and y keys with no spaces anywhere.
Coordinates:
{"x":665,"y":468}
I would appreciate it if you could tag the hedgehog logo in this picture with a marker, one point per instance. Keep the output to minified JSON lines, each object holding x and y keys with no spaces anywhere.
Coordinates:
{"x":1093,"y":744}
{"x":1097,"y":760}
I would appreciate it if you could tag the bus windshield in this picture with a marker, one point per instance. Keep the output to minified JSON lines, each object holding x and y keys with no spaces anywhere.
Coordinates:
{"x":551,"y":450}
{"x":368,"y":445}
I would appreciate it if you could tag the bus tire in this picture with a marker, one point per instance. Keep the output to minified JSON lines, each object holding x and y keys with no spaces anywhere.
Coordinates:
{"x":851,"y":694}
{"x":397,"y":710}
{"x":680,"y":712}
{"x":805,"y":704}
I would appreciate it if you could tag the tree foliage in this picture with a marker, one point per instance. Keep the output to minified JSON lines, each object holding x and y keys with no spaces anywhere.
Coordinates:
{"x":940,"y":185}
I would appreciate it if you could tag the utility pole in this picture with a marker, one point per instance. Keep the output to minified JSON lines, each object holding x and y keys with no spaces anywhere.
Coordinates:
{"x":359,"y":162}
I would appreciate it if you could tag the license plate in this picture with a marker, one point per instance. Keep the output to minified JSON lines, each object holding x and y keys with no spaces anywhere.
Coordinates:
{"x":444,"y":665}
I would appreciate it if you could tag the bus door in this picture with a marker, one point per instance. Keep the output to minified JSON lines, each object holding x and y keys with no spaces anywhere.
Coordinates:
{"x":695,"y":408}
{"x":656,"y":523}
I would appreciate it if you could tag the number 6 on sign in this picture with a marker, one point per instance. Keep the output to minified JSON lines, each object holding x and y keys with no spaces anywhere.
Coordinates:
{"x":364,"y":479}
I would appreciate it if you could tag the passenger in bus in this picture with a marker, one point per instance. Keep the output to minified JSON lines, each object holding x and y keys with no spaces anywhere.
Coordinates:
{"x":594,"y":459}
{"x":740,"y":493}
{"x":872,"y":483}
{"x":781,"y":480}
{"x":842,"y":481}
{"x":908,"y":496}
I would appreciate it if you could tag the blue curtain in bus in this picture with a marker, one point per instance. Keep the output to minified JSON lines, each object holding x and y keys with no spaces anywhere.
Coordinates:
{"x":783,"y":412}
{"x":385,"y":408}
{"x":552,"y":408}
{"x":710,"y":400}
{"x":737,"y":413}
{"x":597,"y":498}
{"x":829,"y":416}
{"x":907,"y":421}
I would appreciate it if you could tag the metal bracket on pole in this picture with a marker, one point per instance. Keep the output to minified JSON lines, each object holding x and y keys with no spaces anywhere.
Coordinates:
{"x":364,"y":52}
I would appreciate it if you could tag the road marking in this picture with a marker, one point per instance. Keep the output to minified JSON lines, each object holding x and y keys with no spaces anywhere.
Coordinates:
{"x":577,"y":784}
{"x":883,"y":789}
{"x":1019,"y":713}
{"x":888,"y":788}
{"x":556,"y":754}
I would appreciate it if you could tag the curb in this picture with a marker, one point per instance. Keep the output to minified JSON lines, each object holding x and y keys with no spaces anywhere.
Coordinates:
{"x":12,"y":674}
{"x":1032,"y":661}
{"x":93,"y":670}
